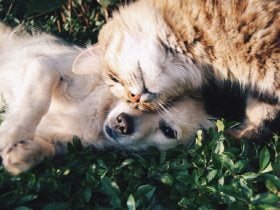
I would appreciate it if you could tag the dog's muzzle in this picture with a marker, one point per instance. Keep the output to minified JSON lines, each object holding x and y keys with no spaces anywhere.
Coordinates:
{"x":122,"y":125}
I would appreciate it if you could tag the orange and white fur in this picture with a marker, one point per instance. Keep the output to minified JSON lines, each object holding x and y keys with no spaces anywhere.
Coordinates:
{"x":47,"y":104}
{"x":157,"y":50}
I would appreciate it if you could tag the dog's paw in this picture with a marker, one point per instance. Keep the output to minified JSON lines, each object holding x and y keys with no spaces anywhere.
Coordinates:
{"x":243,"y":131}
{"x":22,"y":156}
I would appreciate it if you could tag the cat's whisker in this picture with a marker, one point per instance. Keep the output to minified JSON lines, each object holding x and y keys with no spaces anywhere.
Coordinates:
{"x":166,"y":111}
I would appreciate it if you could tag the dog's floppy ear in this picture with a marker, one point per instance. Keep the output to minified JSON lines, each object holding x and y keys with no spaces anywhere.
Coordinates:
{"x":88,"y":61}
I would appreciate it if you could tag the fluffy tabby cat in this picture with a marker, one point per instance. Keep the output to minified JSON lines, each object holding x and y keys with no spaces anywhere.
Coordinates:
{"x":158,"y":50}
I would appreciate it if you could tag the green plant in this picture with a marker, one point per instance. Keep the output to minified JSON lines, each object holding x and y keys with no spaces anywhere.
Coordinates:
{"x":74,"y":20}
{"x":215,"y":173}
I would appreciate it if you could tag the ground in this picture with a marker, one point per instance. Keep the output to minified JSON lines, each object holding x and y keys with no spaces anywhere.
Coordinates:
{"x":217,"y":172}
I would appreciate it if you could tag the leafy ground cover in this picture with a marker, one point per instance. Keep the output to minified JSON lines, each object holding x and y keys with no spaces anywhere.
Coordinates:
{"x":215,"y":173}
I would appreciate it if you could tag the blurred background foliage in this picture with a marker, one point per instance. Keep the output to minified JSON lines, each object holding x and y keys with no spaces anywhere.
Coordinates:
{"x":77,"y":21}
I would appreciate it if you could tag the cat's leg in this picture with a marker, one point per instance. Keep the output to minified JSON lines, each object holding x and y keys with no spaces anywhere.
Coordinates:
{"x":31,"y":101}
{"x":26,"y":154}
{"x":256,"y":113}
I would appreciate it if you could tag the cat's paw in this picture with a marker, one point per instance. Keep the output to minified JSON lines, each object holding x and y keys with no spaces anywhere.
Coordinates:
{"x":22,"y":156}
{"x":243,"y":131}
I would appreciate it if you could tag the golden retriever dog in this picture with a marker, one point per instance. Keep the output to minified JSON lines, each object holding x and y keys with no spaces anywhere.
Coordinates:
{"x":47,"y":104}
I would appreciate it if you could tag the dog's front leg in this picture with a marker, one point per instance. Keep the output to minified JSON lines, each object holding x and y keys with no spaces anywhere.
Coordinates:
{"x":26,"y":154}
{"x":31,"y":101}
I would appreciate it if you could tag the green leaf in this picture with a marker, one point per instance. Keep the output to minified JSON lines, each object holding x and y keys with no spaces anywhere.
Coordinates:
{"x":221,"y":181}
{"x":266,"y":207}
{"x":211,"y":189}
{"x":56,"y":206}
{"x":145,"y":191}
{"x":87,"y":194}
{"x":184,"y":202}
{"x":102,"y":164}
{"x":92,"y":168}
{"x":238,"y":205}
{"x":106,"y":3}
{"x":198,"y":140}
{"x":250,"y":175}
{"x":211,"y":175}
{"x":43,"y":6}
{"x":27,"y":198}
{"x":272,"y":182}
{"x":240,"y":165}
{"x":274,"y":179}
{"x":266,"y":198}
{"x":183,"y":176}
{"x":268,"y":168}
{"x":225,"y":161}
{"x":220,"y":125}
{"x":195,"y":176}
{"x":110,"y":188}
{"x":22,"y":208}
{"x":270,"y":185}
{"x":264,"y":158}
{"x":220,"y":148}
{"x":245,"y":191}
{"x":90,"y":178}
{"x":66,"y":172}
{"x":131,"y":203}
{"x":166,"y":179}
{"x":126,"y":163}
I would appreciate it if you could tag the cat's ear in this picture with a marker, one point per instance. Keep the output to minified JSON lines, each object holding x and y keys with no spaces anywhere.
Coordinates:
{"x":88,"y":61}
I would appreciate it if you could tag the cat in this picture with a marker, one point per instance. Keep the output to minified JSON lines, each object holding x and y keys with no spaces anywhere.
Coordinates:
{"x":47,"y":105}
{"x":158,"y":50}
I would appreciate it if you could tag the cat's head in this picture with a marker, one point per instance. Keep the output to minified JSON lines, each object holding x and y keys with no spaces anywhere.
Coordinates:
{"x":142,"y":61}
{"x":133,"y":129}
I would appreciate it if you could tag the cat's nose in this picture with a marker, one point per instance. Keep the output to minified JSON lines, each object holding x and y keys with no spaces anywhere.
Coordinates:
{"x":124,"y":124}
{"x":144,"y":97}
{"x":148,"y":97}
{"x":134,"y":98}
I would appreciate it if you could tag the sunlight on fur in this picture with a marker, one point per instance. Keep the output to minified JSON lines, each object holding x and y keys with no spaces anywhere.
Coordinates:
{"x":157,"y":50}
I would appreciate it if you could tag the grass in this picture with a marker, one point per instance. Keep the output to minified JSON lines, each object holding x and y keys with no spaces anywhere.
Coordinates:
{"x":215,"y":173}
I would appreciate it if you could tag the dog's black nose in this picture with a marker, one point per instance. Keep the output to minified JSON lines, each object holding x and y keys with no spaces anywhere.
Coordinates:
{"x":124,"y":124}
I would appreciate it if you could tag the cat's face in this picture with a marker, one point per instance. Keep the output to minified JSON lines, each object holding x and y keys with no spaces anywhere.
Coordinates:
{"x":134,"y":129}
{"x":144,"y":64}
{"x":142,"y":61}
{"x":142,"y":72}
{"x":146,"y":72}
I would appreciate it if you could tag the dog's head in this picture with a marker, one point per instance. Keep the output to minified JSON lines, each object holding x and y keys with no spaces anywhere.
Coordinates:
{"x":136,"y":130}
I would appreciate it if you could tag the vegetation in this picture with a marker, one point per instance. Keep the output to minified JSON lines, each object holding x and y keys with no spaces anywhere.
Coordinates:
{"x":215,"y":173}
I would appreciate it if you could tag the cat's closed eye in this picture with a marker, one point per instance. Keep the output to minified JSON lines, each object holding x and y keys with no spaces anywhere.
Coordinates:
{"x":113,"y":78}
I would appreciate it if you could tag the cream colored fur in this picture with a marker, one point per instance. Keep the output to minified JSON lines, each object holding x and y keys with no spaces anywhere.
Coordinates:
{"x":48,"y":104}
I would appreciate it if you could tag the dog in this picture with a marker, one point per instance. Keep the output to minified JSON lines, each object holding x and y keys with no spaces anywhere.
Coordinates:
{"x":47,"y":104}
